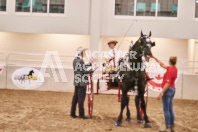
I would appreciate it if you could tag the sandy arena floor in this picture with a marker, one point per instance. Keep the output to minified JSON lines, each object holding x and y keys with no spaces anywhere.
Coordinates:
{"x":33,"y":111}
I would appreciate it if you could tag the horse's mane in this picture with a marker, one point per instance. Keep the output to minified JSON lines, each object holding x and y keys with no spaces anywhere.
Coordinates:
{"x":137,"y":44}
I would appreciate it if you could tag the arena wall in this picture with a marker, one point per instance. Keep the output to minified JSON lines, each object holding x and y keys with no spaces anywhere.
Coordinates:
{"x":49,"y":83}
{"x":186,"y":86}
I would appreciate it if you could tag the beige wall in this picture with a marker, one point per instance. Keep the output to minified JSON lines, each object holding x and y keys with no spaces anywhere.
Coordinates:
{"x":196,"y":57}
{"x":67,"y":44}
{"x":40,"y":43}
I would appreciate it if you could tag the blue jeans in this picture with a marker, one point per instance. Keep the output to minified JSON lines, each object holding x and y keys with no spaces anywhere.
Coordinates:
{"x":167,"y":100}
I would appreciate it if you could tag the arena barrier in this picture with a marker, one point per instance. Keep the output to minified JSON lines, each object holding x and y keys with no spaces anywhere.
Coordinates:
{"x":2,"y":70}
{"x":17,"y":61}
{"x":186,"y":85}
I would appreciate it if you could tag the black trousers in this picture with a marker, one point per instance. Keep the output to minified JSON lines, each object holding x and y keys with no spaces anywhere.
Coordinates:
{"x":79,"y":97}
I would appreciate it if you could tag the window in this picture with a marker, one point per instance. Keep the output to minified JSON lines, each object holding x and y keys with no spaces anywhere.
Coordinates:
{"x":124,"y":7}
{"x":57,"y":6}
{"x":23,"y":5}
{"x":2,"y":5}
{"x":40,"y":6}
{"x":145,"y":7}
{"x":196,"y":8}
{"x":167,"y":8}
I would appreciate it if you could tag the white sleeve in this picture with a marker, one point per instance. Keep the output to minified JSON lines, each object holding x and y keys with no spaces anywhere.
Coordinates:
{"x":91,"y":68}
{"x":124,"y":53}
{"x":107,"y":55}
{"x":120,"y":54}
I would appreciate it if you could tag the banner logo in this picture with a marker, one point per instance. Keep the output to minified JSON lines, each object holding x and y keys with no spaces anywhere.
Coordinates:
{"x":27,"y":78}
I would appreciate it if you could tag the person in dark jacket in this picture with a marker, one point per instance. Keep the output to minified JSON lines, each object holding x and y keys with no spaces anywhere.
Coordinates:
{"x":81,"y":75}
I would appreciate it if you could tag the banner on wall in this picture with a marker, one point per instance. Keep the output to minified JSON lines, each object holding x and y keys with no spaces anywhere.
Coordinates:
{"x":27,"y":78}
{"x":157,"y":78}
{"x":1,"y":69}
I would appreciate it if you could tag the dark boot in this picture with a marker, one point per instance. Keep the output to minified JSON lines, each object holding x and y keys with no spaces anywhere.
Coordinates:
{"x":172,"y":129}
{"x":167,"y":129}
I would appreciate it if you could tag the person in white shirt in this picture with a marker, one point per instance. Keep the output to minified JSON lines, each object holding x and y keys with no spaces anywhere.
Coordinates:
{"x":112,"y":57}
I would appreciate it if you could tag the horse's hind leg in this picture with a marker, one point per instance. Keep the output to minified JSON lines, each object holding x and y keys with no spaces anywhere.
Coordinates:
{"x":137,"y":102}
{"x":123,"y":104}
{"x":143,"y":106}
{"x":128,"y":119}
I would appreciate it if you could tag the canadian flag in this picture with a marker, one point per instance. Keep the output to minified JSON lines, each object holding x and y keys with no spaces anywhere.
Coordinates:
{"x":156,"y":83}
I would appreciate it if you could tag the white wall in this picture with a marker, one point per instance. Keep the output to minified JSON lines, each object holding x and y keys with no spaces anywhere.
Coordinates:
{"x":190,"y":86}
{"x":75,"y":21}
{"x":183,"y":27}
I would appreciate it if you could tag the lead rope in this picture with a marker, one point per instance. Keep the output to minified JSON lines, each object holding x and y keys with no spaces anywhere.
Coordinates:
{"x":136,"y":85}
{"x":126,"y":33}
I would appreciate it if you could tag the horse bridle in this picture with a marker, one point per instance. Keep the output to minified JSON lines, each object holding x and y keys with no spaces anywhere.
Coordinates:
{"x":142,"y":52}
{"x":148,"y":44}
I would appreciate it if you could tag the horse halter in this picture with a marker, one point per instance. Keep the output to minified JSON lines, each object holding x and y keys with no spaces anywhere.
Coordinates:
{"x":146,"y":43}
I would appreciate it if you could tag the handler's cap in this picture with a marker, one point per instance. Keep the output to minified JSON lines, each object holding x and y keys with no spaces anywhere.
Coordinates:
{"x":81,"y":49}
{"x":112,"y":41}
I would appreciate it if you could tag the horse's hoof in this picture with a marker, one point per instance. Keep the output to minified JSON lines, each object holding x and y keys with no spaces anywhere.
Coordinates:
{"x":128,"y":120}
{"x":119,"y":124}
{"x":147,"y":125}
{"x":140,"y":121}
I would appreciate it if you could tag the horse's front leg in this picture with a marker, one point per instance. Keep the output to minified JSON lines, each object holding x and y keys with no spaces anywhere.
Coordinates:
{"x":128,"y":119}
{"x":137,"y":102}
{"x":143,"y":106}
{"x":123,"y":104}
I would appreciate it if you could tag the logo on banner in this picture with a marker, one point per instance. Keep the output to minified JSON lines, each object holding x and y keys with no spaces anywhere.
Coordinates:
{"x":1,"y":69}
{"x":155,"y":83}
{"x":27,"y":78}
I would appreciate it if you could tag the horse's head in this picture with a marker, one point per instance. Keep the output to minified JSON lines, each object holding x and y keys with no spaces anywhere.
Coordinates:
{"x":31,"y":72}
{"x":145,"y":45}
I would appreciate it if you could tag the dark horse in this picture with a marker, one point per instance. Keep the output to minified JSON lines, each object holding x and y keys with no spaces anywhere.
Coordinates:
{"x":26,"y":77}
{"x":135,"y":78}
